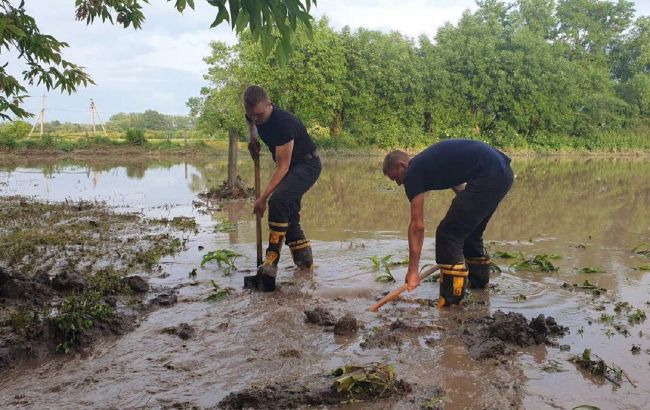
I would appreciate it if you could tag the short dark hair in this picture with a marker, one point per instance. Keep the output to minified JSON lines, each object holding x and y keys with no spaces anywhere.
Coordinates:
{"x":253,"y":95}
{"x":392,"y":158}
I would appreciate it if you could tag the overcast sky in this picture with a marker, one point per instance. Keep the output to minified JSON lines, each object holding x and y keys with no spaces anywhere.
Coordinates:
{"x":161,"y":66}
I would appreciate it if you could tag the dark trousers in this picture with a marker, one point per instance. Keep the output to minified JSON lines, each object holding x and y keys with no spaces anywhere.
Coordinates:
{"x":460,"y":233}
{"x":285,"y":201}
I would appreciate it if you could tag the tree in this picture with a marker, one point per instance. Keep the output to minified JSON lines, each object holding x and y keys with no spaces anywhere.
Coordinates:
{"x":271,"y":22}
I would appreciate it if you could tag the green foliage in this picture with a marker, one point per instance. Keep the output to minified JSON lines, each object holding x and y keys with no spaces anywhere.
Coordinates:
{"x":637,"y":316}
{"x":271,"y":22}
{"x":135,"y":136}
{"x":533,"y":74}
{"x":507,"y":255}
{"x":218,"y":293}
{"x":108,"y":281}
{"x":21,"y":319}
{"x":77,"y":313}
{"x":382,"y":267}
{"x":642,"y":249}
{"x":222,"y":256}
{"x":540,"y":263}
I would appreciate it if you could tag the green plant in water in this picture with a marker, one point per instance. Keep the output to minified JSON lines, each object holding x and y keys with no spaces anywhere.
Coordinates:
{"x":225,"y":226}
{"x":588,"y":269}
{"x":537,"y":263}
{"x":520,"y":298}
{"x":218,"y":293}
{"x":645,"y":268}
{"x":79,"y":312}
{"x":620,"y":306}
{"x":382,"y":267}
{"x":222,"y":257}
{"x":637,"y":316}
{"x":604,"y":317}
{"x":507,"y":255}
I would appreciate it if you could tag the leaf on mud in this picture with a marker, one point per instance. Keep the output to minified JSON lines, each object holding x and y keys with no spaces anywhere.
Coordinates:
{"x":585,"y":407}
{"x":588,"y":269}
{"x":642,"y":249}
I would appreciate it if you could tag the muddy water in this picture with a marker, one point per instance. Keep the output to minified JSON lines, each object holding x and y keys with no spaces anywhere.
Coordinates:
{"x":592,"y":212}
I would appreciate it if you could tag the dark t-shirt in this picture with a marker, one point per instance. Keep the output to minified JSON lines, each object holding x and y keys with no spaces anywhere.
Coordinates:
{"x":283,"y":127}
{"x":449,"y":163}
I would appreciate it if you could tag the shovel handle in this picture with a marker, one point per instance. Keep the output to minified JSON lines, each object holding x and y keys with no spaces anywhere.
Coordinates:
{"x":394,"y":294}
{"x":258,"y":217}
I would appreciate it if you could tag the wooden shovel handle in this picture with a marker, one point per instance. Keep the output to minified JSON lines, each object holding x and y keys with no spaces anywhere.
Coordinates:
{"x":394,"y":294}
{"x":258,"y":217}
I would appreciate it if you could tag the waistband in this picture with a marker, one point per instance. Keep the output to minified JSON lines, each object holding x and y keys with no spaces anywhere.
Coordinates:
{"x":306,"y":157}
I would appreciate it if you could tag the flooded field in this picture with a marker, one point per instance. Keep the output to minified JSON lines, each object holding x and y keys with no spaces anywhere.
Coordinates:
{"x":586,"y":216}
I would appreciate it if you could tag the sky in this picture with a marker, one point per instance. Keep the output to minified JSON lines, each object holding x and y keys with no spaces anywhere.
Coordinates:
{"x":161,"y":66}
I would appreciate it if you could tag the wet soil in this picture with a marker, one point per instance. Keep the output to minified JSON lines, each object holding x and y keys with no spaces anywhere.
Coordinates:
{"x":492,"y":336}
{"x":66,"y":289}
{"x":238,"y":191}
{"x":362,"y":384}
{"x":262,"y":342}
{"x":394,"y":334}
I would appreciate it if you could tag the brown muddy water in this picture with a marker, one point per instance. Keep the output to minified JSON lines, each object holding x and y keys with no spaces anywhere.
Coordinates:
{"x":592,"y":212}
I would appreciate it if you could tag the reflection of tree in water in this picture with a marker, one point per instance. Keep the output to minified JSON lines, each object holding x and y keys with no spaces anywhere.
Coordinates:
{"x":136,"y":171}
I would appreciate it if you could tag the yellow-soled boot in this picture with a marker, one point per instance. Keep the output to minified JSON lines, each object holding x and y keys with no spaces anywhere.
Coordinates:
{"x":453,"y":282}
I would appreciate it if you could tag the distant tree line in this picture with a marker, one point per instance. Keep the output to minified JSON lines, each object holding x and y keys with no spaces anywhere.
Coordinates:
{"x":529,"y":73}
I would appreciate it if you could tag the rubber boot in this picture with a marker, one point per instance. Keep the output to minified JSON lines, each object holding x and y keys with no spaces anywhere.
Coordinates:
{"x":479,"y":271}
{"x":301,"y":253}
{"x":453,"y":282}
{"x":268,"y":270}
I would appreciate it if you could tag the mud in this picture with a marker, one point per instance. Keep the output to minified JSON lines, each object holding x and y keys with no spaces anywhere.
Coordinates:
{"x":69,"y":286}
{"x":394,"y":334}
{"x":494,"y":335}
{"x":347,"y":325}
{"x":239,"y":191}
{"x":320,"y":316}
{"x":183,"y":331}
{"x":349,"y":383}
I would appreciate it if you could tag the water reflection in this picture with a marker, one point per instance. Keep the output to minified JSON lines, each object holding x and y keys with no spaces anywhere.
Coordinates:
{"x":590,"y":210}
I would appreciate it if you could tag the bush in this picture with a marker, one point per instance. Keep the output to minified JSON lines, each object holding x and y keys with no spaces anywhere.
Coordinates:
{"x":135,"y":136}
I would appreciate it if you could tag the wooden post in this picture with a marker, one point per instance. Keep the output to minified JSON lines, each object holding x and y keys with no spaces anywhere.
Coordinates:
{"x":233,"y":136}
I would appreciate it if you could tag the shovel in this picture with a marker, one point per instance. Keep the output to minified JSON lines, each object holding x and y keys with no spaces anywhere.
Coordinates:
{"x":394,"y":294}
{"x":254,"y":281}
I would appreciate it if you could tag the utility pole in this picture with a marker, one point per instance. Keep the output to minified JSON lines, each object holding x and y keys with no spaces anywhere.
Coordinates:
{"x":93,"y":109}
{"x":41,"y":117}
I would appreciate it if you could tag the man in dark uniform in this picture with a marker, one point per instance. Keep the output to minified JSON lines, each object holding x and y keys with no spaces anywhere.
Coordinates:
{"x":481,"y":176}
{"x":298,"y":168}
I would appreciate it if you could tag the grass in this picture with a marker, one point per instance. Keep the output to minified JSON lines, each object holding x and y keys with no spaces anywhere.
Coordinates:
{"x":78,"y":312}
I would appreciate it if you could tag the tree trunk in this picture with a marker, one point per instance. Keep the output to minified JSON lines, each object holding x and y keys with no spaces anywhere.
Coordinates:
{"x":233,"y":136}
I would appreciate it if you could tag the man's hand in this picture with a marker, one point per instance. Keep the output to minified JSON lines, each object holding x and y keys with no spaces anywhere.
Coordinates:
{"x":260,"y":207}
{"x":254,"y":148}
{"x":412,"y":280}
